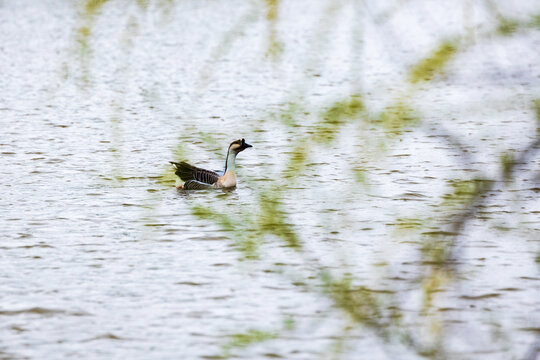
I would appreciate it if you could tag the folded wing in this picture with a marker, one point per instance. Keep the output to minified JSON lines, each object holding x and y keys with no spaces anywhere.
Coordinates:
{"x":188,"y":172}
{"x":195,"y":185}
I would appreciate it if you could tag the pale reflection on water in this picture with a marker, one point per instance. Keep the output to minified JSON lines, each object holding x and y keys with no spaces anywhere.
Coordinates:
{"x":101,"y":257}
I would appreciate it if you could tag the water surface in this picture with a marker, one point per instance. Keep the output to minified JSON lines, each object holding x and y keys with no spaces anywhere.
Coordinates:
{"x":101,"y":257}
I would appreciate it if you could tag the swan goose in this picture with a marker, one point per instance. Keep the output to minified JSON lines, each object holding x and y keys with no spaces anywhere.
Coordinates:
{"x":197,"y":179}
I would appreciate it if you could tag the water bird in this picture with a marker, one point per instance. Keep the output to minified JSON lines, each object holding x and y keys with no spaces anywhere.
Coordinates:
{"x":196,"y":178}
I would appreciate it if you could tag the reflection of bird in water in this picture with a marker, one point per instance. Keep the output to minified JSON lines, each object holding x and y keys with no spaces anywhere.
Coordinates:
{"x":197,"y":179}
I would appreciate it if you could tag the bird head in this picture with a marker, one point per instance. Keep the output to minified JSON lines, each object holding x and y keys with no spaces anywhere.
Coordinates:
{"x":239,"y":145}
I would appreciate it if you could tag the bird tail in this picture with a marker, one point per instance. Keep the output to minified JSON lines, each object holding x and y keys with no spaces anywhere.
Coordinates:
{"x":184,"y":170}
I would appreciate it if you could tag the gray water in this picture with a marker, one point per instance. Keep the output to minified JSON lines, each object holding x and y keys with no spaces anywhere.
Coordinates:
{"x":102,"y":257}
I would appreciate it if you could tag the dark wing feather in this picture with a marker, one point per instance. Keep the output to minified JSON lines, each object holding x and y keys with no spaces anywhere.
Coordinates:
{"x":195,"y":185}
{"x":188,"y":172}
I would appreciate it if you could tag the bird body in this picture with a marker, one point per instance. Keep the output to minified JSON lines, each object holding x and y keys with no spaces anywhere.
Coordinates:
{"x":227,"y":180}
{"x":196,"y":178}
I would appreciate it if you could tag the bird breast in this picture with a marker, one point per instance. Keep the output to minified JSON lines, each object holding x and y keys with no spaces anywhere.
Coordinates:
{"x":227,"y":180}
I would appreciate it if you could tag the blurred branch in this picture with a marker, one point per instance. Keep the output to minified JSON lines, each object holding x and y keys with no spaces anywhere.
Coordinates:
{"x":534,"y":351}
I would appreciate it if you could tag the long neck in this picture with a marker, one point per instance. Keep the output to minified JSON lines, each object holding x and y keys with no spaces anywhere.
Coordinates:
{"x":230,"y":161}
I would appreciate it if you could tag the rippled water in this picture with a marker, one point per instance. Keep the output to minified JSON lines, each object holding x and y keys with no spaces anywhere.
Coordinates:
{"x":100,"y":255}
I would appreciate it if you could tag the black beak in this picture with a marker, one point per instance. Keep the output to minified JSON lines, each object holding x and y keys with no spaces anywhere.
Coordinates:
{"x":245,"y":145}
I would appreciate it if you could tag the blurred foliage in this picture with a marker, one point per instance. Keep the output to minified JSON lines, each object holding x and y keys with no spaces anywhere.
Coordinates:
{"x":288,"y":116}
{"x":167,"y":178}
{"x":434,"y":64}
{"x":508,"y":162}
{"x":297,"y":160}
{"x":438,"y":233}
{"x":333,"y":119}
{"x":507,"y":26}
{"x":464,"y":192}
{"x":378,"y":310}
{"x":535,"y":22}
{"x":245,"y":237}
{"x":275,"y":48}
{"x":242,"y":340}
{"x":91,"y":7}
{"x":272,"y":7}
{"x":248,"y":231}
{"x":396,"y":118}
{"x":274,"y":220}
{"x":360,"y":303}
